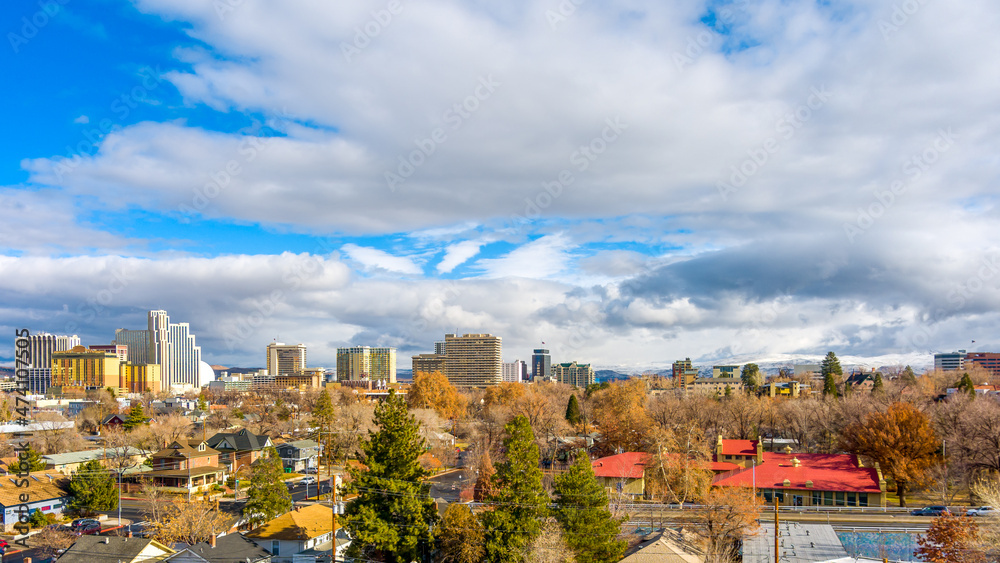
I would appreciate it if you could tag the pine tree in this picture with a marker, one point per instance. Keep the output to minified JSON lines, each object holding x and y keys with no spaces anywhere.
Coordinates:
{"x":93,"y":488}
{"x":966,"y":385}
{"x":908,"y":376}
{"x":582,"y":510}
{"x":750,"y":375}
{"x":202,"y":403}
{"x":519,"y":499}
{"x":830,"y":386}
{"x":831,"y":365}
{"x":877,"y":385}
{"x":30,"y":460}
{"x":268,"y":497}
{"x":391,"y":517}
{"x":136,"y":417}
{"x":573,"y":415}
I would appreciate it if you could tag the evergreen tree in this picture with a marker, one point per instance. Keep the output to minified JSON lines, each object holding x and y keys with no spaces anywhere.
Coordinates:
{"x":93,"y":488}
{"x":30,"y":460}
{"x":830,"y":386}
{"x":202,"y":403}
{"x":323,"y":417}
{"x":966,"y":385}
{"x":518,"y":500}
{"x":391,"y":517}
{"x":573,"y":411}
{"x":267,"y":497}
{"x":582,"y":510}
{"x":848,"y":389}
{"x":908,"y":376}
{"x":831,"y":365}
{"x":136,"y":417}
{"x":750,"y":375}
{"x":877,"y":385}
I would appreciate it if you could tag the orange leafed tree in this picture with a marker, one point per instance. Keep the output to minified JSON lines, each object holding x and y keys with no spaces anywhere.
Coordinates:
{"x":900,"y":439}
{"x":951,"y":539}
{"x":621,"y":417}
{"x":729,"y":513}
{"x":434,"y":391}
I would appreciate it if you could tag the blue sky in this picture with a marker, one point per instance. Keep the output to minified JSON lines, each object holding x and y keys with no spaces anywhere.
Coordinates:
{"x":631,"y":183}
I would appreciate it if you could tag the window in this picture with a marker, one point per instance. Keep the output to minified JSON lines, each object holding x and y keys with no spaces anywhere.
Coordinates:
{"x":275,"y":547}
{"x":852,"y":499}
{"x":840,"y":499}
{"x":828,"y":498}
{"x":862,"y":499}
{"x":817,"y":498}
{"x":767,"y":497}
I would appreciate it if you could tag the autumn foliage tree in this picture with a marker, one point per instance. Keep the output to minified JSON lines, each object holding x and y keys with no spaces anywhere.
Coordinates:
{"x":900,"y":440}
{"x":620,"y":414}
{"x":728,"y":514}
{"x":950,"y":539}
{"x":434,"y":391}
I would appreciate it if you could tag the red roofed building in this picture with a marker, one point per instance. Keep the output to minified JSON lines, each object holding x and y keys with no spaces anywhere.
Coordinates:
{"x":810,"y":480}
{"x":622,"y":473}
{"x":740,"y":452}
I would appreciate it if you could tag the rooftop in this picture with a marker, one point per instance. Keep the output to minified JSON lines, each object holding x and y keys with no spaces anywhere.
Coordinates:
{"x":827,"y":472}
{"x":798,"y":543}
{"x":300,"y":524}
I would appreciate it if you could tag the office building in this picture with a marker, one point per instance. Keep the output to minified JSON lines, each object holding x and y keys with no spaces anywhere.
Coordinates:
{"x":119,"y":350}
{"x":427,"y":363}
{"x":725,"y":371}
{"x":365,"y":362}
{"x":171,"y":345}
{"x":571,"y":373}
{"x":514,"y":372}
{"x":81,"y":369}
{"x":990,"y":361}
{"x":541,"y":363}
{"x":285,"y":359}
{"x":439,"y":348}
{"x":684,"y":373}
{"x":950,"y":361}
{"x":472,"y":360}
{"x":41,"y":346}
{"x":139,"y":378}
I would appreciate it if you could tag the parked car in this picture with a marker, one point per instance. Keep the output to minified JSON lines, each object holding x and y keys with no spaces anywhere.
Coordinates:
{"x":308,"y":480}
{"x":79,"y":522}
{"x":3,"y":546}
{"x":981,"y":511}
{"x":311,"y":470}
{"x":92,"y":528}
{"x":934,"y":510}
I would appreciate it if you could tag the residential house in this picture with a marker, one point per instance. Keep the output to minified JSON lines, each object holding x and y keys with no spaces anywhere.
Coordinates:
{"x":239,"y":449}
{"x":47,"y":491}
{"x":91,"y":549}
{"x":298,"y":455}
{"x":67,"y":463}
{"x":664,"y":546}
{"x":626,"y":473}
{"x":114,"y":420}
{"x":306,"y":532}
{"x":187,"y":466}
{"x":230,"y":548}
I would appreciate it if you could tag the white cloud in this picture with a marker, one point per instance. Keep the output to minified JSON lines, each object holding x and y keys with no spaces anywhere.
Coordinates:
{"x":540,"y":259}
{"x":83,"y":119}
{"x":457,"y":254}
{"x":373,"y":259}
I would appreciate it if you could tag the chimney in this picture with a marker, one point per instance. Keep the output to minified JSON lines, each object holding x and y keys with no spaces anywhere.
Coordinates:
{"x":211,"y":540}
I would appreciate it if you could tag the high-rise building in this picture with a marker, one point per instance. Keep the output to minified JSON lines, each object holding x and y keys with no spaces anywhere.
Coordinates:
{"x":439,"y":348}
{"x":139,"y":378}
{"x":364,"y":362}
{"x":572,"y":373}
{"x":119,"y":350}
{"x":41,"y":346}
{"x":427,"y":363}
{"x":81,"y":369}
{"x":990,"y":361}
{"x":285,"y":359}
{"x":684,"y":373}
{"x":950,"y":361}
{"x":171,"y":345}
{"x":514,"y":372}
{"x":472,"y":360}
{"x":541,"y":363}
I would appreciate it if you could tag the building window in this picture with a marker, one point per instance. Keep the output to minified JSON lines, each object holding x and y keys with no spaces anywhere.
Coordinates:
{"x":780,"y":496}
{"x":828,"y":498}
{"x":862,"y":499}
{"x":840,"y":499}
{"x":817,"y":498}
{"x":274,"y":547}
{"x":767,"y":497}
{"x":852,"y":499}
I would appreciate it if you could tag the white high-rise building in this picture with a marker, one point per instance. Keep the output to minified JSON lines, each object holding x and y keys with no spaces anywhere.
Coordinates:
{"x":513,"y":372}
{"x":169,"y":344}
{"x":41,"y":346}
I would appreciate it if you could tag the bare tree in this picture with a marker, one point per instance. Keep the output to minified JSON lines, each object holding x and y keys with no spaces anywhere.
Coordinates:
{"x":192,"y":522}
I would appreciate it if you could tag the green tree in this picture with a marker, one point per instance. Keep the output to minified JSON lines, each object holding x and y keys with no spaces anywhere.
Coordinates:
{"x":459,"y":536}
{"x":582,"y":510}
{"x":573,"y":415}
{"x":93,"y":488}
{"x":877,"y":385}
{"x":267,"y":497}
{"x":31,"y":460}
{"x":966,"y":385}
{"x":202,"y":403}
{"x":391,"y":517}
{"x":908,"y":376}
{"x":750,"y":375}
{"x":830,"y":386}
{"x":136,"y":417}
{"x":518,"y":499}
{"x":831,"y":365}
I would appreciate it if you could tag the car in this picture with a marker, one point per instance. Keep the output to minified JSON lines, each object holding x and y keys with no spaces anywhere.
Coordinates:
{"x":80,"y":522}
{"x":307,"y":480}
{"x":981,"y":511}
{"x":3,"y":545}
{"x":311,"y":470}
{"x":933,"y":510}
{"x":92,"y":528}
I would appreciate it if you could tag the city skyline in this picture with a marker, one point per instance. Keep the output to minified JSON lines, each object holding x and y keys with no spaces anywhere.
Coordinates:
{"x":624,"y":186}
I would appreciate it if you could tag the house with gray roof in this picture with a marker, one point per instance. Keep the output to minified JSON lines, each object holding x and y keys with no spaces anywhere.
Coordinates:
{"x":239,"y":449}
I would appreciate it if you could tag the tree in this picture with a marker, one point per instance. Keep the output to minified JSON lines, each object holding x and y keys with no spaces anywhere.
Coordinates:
{"x":550,"y":546}
{"x":988,"y":493}
{"x":391,"y":517}
{"x":950,"y":539}
{"x":519,"y":499}
{"x":831,"y":365}
{"x":136,"y":418}
{"x":93,"y":489}
{"x":877,"y":385}
{"x":267,"y":497}
{"x":750,"y":375}
{"x":678,"y":468}
{"x":459,"y":536}
{"x":192,"y":522}
{"x":202,"y":403}
{"x":965,"y":385}
{"x":729,"y":513}
{"x":323,"y":417}
{"x":52,"y":540}
{"x":434,"y":391}
{"x":485,"y":479}
{"x":620,"y":412}
{"x":582,"y":511}
{"x":900,"y":440}
{"x":31,"y":460}
{"x":573,"y":415}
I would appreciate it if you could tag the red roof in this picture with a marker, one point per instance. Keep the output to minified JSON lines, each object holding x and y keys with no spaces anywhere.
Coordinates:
{"x":828,"y":472}
{"x":723,"y":466}
{"x":739,"y":447}
{"x":629,"y":465}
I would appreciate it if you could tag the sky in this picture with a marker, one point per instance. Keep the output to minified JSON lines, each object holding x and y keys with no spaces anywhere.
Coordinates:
{"x":629,"y":182}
